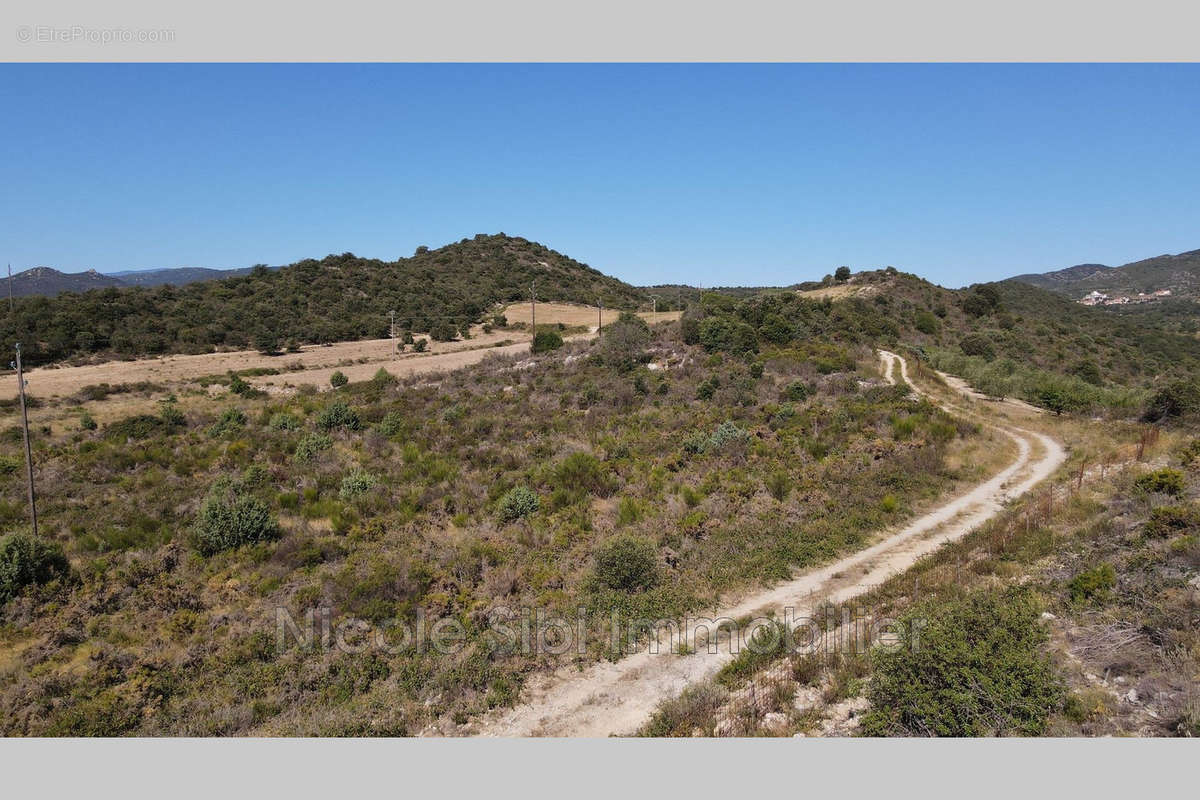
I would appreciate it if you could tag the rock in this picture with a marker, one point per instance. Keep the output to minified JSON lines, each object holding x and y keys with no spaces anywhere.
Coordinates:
{"x":1048,"y":615}
{"x":774,"y":721}
{"x":724,"y":728}
{"x":800,"y":735}
{"x":698,"y":733}
{"x":1132,"y":697}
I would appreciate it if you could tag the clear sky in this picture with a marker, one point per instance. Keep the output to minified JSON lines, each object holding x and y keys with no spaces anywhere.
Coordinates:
{"x":721,"y":174}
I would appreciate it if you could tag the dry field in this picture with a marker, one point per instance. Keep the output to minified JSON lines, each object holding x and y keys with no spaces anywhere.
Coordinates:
{"x":312,"y":365}
{"x":838,"y":291}
{"x":573,"y":315}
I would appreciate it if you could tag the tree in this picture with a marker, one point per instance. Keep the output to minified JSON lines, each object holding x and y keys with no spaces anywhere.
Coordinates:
{"x":841,"y":274}
{"x":545,"y":340}
{"x":624,"y":341}
{"x":976,"y":344}
{"x":443,"y":331}
{"x":338,"y":379}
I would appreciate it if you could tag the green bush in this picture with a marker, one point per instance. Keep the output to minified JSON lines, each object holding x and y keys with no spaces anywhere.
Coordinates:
{"x":391,"y":424}
{"x":626,"y":563}
{"x":283,"y":421}
{"x":237,"y":385}
{"x":583,"y":471}
{"x":383,"y":378}
{"x":312,"y":444}
{"x":338,"y":379}
{"x":28,"y":561}
{"x":974,"y":667}
{"x":443,"y":331}
{"x":546,"y":340}
{"x":778,"y":484}
{"x":135,"y":428}
{"x":518,"y":502}
{"x":1161,"y":481}
{"x":926,"y":323}
{"x":727,"y":434}
{"x":338,"y":415}
{"x":87,"y":422}
{"x":356,"y":484}
{"x":230,"y":519}
{"x":976,"y":344}
{"x":230,"y":421}
{"x":1092,"y":584}
{"x":796,"y":391}
{"x":1179,"y":398}
{"x":1168,"y":520}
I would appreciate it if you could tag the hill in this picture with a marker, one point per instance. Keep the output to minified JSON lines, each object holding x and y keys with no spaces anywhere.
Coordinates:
{"x":1179,"y":273}
{"x":176,"y":276}
{"x":50,"y":282}
{"x":1006,"y":339}
{"x":338,"y":298}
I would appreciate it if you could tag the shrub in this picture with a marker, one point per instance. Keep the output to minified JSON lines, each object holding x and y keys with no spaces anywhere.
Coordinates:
{"x":796,"y":391}
{"x":172,"y":417}
{"x":338,"y":379}
{"x":237,"y":385}
{"x":1092,"y":584}
{"x":1180,"y":398}
{"x":420,"y":345}
{"x":338,"y":415}
{"x":140,"y":426}
{"x":356,"y":484}
{"x":926,"y":323}
{"x":283,"y":421}
{"x":28,"y":561}
{"x":229,"y":519}
{"x":312,"y":444}
{"x":623,"y":342}
{"x":978,"y":670}
{"x":726,"y":434}
{"x":87,"y":422}
{"x":546,"y":340}
{"x":1161,"y":481}
{"x":1166,"y":520}
{"x":778,"y":485}
{"x":391,"y":424}
{"x":976,"y":344}
{"x":841,"y":274}
{"x":383,"y":378}
{"x":443,"y":331}
{"x":516,"y":503}
{"x":626,"y":563}
{"x":583,"y":471}
{"x":230,"y":421}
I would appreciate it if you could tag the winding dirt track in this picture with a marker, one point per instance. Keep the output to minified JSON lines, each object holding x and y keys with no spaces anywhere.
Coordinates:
{"x":616,"y":699}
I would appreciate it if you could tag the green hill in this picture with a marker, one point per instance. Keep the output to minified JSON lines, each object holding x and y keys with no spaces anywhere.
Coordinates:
{"x":1179,"y":273}
{"x":338,"y":298}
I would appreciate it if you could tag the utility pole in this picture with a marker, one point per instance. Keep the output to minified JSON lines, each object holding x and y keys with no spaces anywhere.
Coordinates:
{"x":392,"y":330}
{"x":28,"y":452}
{"x":599,"y":315}
{"x":533,"y":307}
{"x":653,"y":306}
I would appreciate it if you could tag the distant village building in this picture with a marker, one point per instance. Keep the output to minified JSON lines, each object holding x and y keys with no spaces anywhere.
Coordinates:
{"x":1094,"y":299}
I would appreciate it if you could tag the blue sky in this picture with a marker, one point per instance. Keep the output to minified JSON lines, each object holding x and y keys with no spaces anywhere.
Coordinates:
{"x":721,"y":174}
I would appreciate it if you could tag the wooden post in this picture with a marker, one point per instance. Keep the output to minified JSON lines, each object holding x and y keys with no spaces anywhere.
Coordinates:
{"x":28,"y":452}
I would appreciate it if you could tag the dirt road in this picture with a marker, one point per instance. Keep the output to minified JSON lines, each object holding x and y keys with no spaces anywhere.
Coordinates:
{"x":609,"y":698}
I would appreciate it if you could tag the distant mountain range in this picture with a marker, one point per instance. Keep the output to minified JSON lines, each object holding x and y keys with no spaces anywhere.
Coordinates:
{"x":1179,"y":273}
{"x":50,"y":282}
